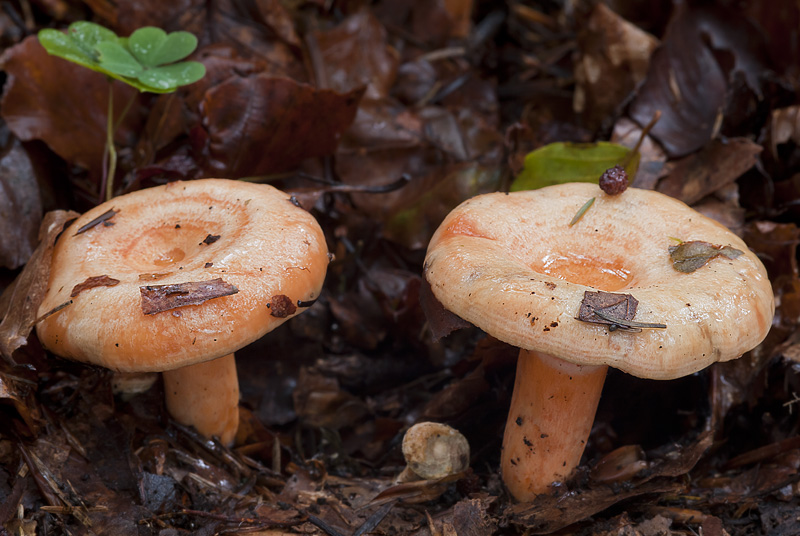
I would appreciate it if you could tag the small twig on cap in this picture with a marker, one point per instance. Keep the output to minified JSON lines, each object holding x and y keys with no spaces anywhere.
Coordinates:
{"x":621,"y":323}
{"x":107,"y":215}
{"x":52,"y":311}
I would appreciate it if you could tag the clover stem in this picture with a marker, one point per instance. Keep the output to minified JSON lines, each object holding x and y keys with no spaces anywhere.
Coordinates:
{"x":111,"y":151}
{"x":551,"y":414}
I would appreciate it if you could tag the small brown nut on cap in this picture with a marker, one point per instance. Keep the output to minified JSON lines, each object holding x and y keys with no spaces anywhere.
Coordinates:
{"x":433,"y":450}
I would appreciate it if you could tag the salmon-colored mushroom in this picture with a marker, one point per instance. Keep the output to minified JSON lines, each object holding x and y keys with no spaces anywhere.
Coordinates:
{"x":640,"y":282}
{"x":175,"y":279}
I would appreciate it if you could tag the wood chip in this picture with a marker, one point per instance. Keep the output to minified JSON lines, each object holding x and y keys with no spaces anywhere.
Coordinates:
{"x":281,"y":306}
{"x":93,"y":282}
{"x":160,"y":298}
{"x":210,"y":239}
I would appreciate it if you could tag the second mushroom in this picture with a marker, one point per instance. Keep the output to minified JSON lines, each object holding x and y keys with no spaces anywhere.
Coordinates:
{"x":609,"y":290}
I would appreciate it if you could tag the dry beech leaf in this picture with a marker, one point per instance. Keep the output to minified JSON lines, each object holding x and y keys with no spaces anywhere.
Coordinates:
{"x":441,"y":322}
{"x":260,"y":124}
{"x":160,"y":298}
{"x":20,"y":301}
{"x":621,"y":306}
{"x":714,"y":166}
{"x":20,"y":205}
{"x":689,"y":256}
{"x":93,"y":282}
{"x":49,"y":99}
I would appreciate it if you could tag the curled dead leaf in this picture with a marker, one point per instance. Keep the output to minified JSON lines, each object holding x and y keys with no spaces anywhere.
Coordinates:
{"x":689,"y":256}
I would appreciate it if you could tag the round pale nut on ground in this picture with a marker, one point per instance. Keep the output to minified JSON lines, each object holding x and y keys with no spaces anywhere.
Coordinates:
{"x":433,"y":450}
{"x":180,"y":274}
{"x":515,"y":266}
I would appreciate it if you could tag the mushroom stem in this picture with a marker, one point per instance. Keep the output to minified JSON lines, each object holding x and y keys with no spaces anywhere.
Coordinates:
{"x":550,"y":418}
{"x":206,"y":396}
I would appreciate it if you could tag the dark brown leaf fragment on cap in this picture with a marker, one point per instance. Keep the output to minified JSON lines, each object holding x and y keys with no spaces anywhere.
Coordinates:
{"x":281,"y":306}
{"x":210,"y":239}
{"x":689,"y":256}
{"x":618,"y":306}
{"x":159,"y":298}
{"x":105,"y":216}
{"x":93,"y":282}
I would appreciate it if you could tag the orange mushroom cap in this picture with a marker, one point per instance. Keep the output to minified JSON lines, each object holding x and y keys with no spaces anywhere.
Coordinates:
{"x":513,"y":265}
{"x":263,"y":248}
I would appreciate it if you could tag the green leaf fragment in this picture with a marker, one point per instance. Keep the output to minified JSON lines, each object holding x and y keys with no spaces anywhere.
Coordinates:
{"x":153,"y":46}
{"x":139,"y":60}
{"x":117,"y":59}
{"x":689,"y":256}
{"x":559,"y":163}
{"x":78,"y":43}
{"x":581,"y":211}
{"x":170,"y":77}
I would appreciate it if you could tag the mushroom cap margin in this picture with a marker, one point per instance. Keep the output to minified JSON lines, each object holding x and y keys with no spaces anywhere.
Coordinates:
{"x":267,"y":247}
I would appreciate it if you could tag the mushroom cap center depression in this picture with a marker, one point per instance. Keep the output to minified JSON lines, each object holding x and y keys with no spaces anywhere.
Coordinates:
{"x":598,"y":272}
{"x":161,"y":247}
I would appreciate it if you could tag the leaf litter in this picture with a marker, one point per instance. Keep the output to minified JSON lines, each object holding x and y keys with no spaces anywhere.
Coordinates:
{"x":358,"y":96}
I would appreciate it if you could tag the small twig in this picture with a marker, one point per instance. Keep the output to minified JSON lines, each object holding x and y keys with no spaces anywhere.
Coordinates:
{"x":320,"y":524}
{"x":628,"y":324}
{"x":374,"y":520}
{"x":645,"y":131}
{"x":107,"y":215}
{"x":379,"y":189}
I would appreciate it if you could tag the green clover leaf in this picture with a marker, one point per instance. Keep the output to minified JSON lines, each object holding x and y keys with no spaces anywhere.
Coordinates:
{"x":144,"y":60}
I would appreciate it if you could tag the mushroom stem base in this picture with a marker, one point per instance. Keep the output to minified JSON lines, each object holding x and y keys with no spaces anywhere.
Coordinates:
{"x":550,"y":418}
{"x":206,"y":396}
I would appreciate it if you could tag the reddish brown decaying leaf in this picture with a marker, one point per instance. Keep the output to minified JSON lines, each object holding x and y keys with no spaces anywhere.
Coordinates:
{"x":440,"y":321}
{"x":160,"y":298}
{"x":53,"y":100}
{"x":613,"y":57}
{"x":20,"y":205}
{"x":281,"y":306}
{"x":20,"y":301}
{"x":355,"y":54}
{"x":687,"y":85}
{"x":93,"y":282}
{"x":258,"y":125}
{"x":704,"y":172}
